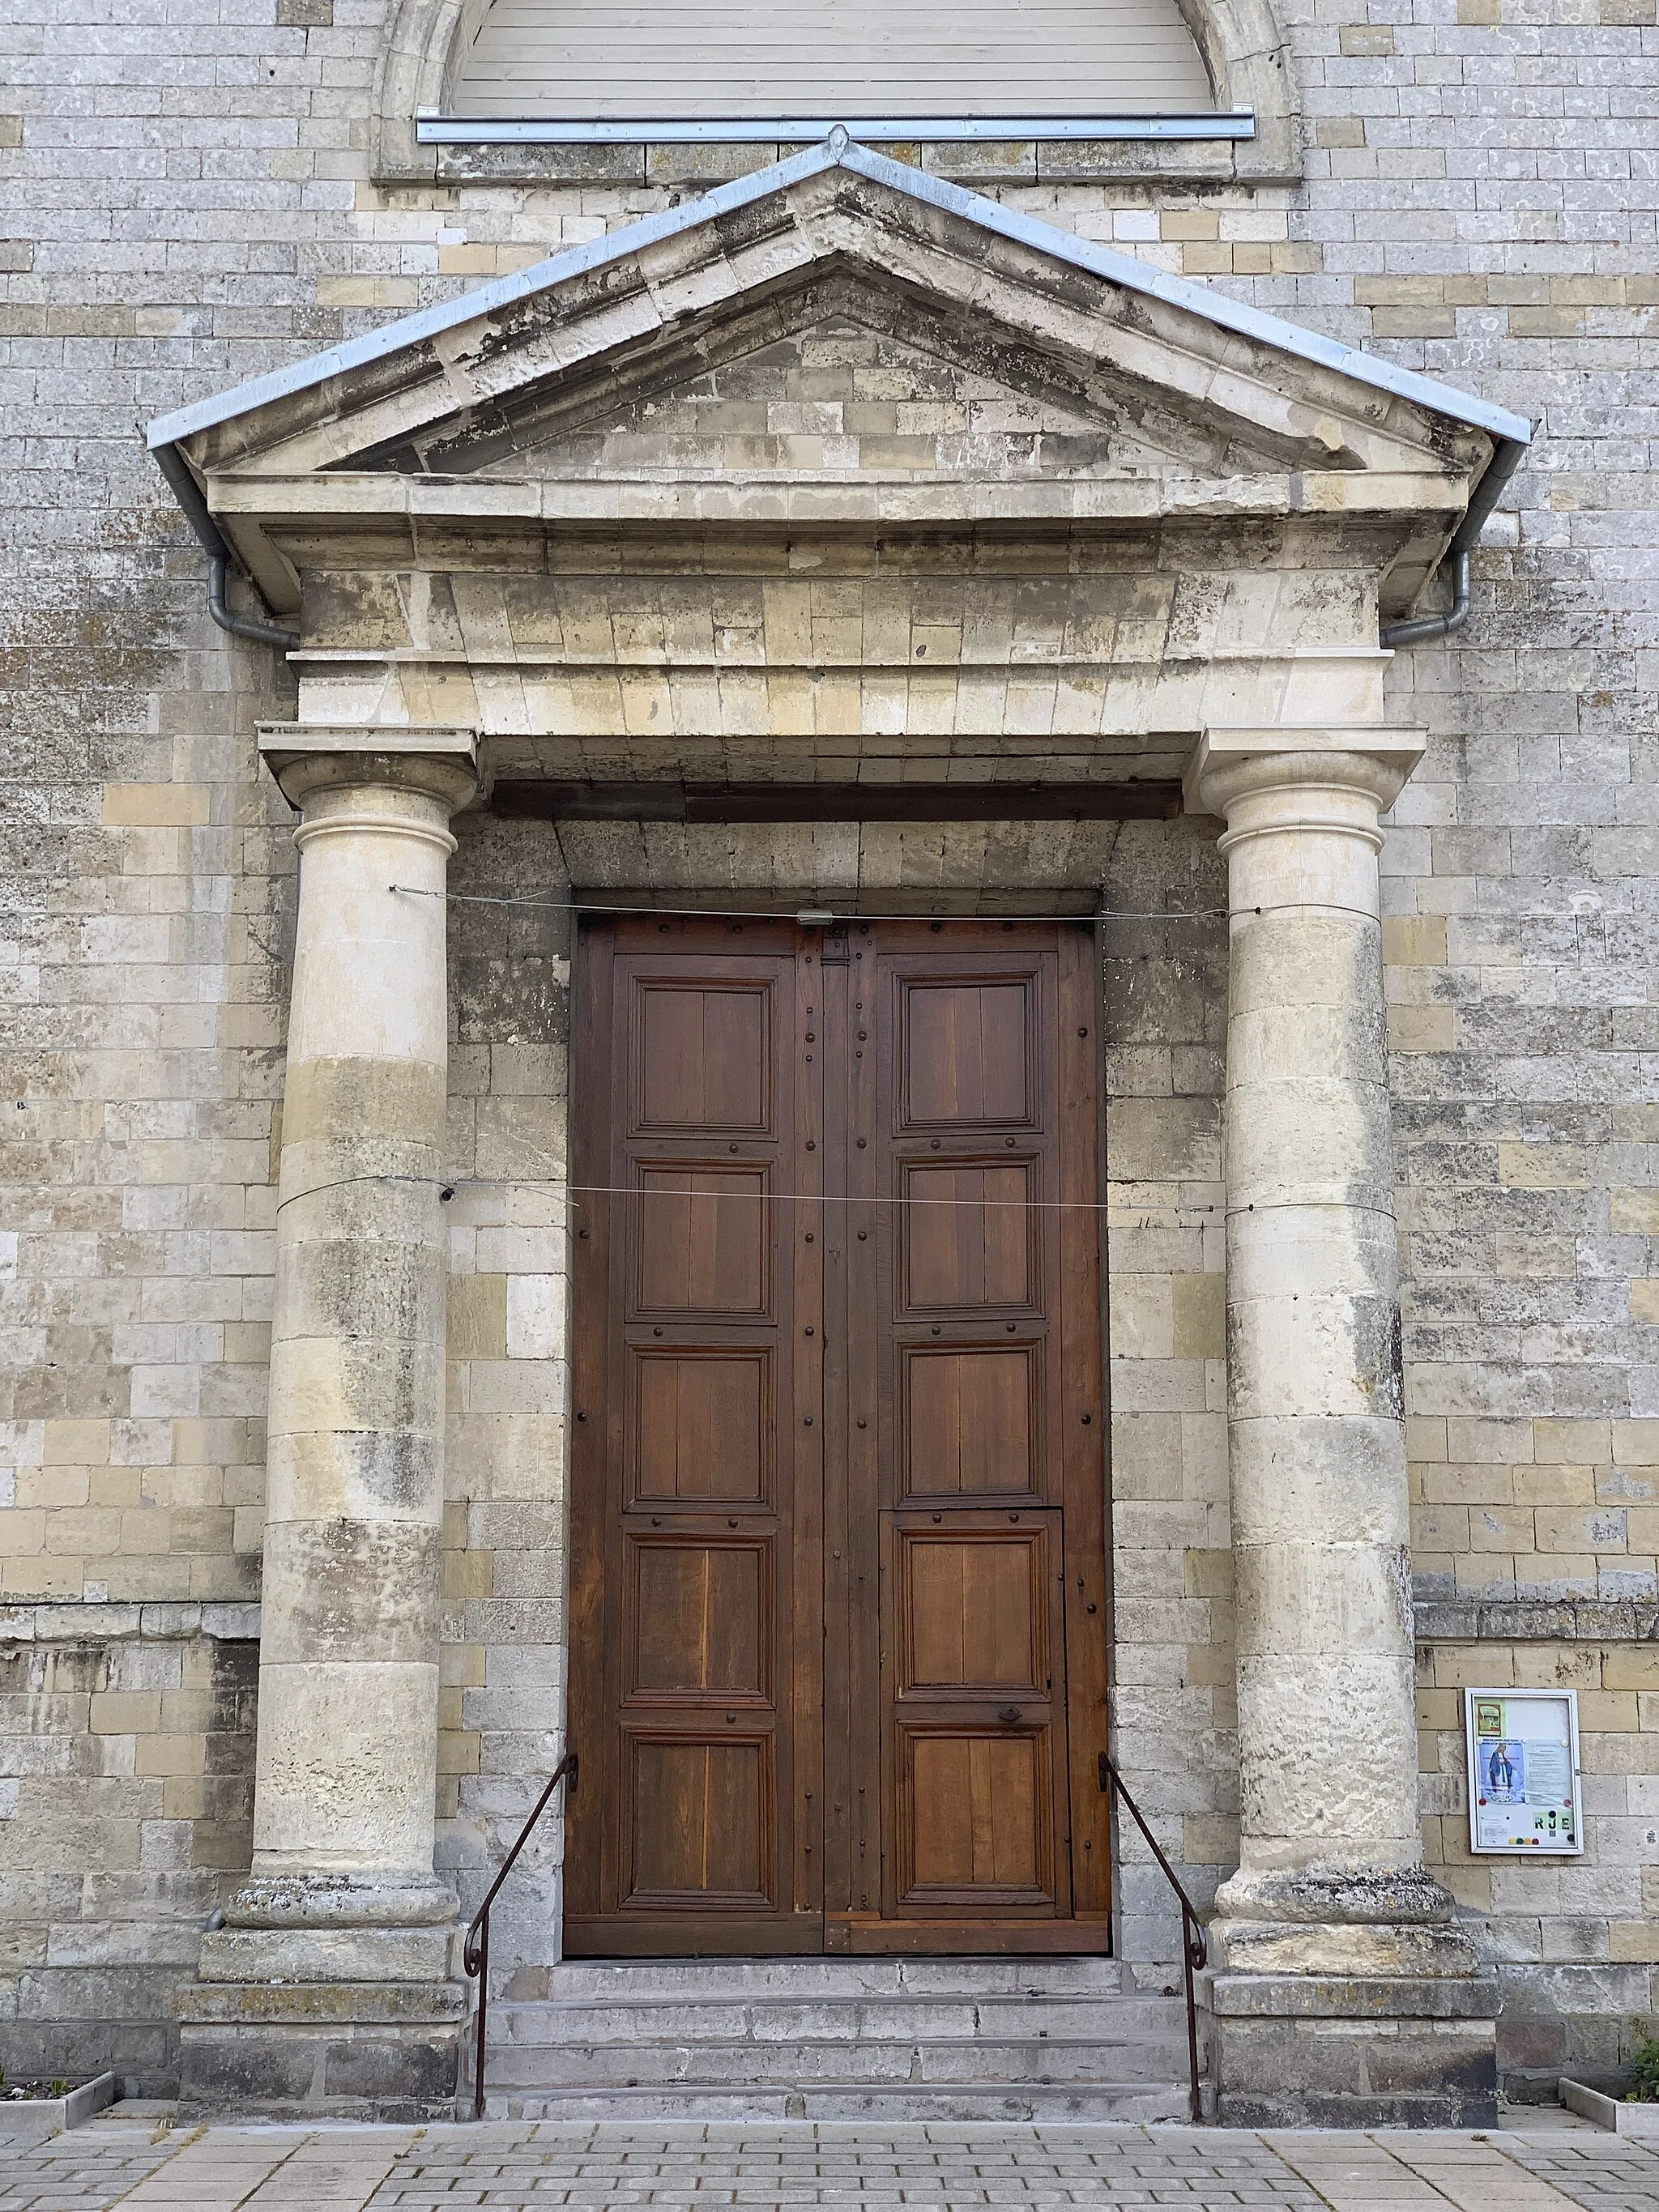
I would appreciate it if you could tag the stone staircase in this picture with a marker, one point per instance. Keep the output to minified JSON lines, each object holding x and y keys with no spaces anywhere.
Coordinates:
{"x":912,"y":2039}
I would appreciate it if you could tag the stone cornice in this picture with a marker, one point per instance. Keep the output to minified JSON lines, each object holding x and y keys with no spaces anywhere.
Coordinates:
{"x":431,"y":430}
{"x":298,"y":499}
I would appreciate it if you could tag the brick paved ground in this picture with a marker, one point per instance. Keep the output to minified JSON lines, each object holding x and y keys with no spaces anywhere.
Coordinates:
{"x":128,"y":2159}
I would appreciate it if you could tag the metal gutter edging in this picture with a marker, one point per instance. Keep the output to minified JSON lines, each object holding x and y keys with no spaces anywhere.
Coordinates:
{"x":434,"y":128}
{"x":486,"y":299}
{"x":1213,"y":307}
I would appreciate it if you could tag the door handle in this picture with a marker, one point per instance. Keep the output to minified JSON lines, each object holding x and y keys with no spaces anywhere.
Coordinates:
{"x":1009,"y":1714}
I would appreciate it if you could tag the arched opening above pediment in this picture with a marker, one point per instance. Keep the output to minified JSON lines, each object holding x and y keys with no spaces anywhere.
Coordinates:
{"x":1186,"y":90}
{"x":695,"y":60}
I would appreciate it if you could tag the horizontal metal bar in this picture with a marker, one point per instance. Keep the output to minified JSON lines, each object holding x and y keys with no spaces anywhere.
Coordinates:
{"x":1155,"y":799}
{"x":432,"y":129}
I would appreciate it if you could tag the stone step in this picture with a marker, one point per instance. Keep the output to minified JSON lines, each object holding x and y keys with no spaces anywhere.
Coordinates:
{"x":787,"y":2065}
{"x":838,"y":2038}
{"x":606,"y":1979}
{"x":1137,"y":2103}
{"x":747,"y":2017}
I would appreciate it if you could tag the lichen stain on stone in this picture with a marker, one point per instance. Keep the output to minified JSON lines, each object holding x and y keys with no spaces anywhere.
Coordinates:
{"x":1336,"y":599}
{"x":359,"y":608}
{"x":510,"y":1002}
{"x":223,"y":1835}
{"x":1396,"y":1568}
{"x":361,"y":1589}
{"x":1378,"y":1355}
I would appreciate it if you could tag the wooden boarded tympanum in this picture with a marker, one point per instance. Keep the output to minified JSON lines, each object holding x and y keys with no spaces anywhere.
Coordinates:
{"x":838,"y":1655}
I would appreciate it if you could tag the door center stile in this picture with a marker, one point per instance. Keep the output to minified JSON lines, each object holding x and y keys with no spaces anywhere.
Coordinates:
{"x":846,"y":1838}
{"x":803,"y":1229}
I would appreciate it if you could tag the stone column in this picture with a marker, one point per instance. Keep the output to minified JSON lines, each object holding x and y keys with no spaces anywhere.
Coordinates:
{"x":1331,"y":1883}
{"x":342,"y":1906}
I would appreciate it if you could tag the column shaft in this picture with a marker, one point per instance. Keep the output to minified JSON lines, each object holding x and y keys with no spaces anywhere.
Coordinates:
{"x":1331,"y":1877}
{"x":342,"y":1885}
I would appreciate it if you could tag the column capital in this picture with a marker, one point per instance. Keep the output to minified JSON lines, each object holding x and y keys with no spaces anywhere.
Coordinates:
{"x":308,"y":758}
{"x":1292,"y":775}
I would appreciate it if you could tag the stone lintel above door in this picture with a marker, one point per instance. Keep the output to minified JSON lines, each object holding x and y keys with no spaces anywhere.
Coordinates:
{"x":962,"y":691}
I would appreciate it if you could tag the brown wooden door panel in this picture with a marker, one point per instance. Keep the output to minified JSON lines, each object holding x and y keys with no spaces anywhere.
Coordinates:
{"x":967,"y":1330}
{"x":703,"y":1425}
{"x":967,"y":1048}
{"x":838,"y":1582}
{"x":699,"y":1821}
{"x":973,"y":1608}
{"x":968,"y":1236}
{"x":973,"y":1826}
{"x":969,"y":1421}
{"x":976,"y":1695}
{"x":705,"y":1053}
{"x":698,"y":1619}
{"x":703,"y":1238}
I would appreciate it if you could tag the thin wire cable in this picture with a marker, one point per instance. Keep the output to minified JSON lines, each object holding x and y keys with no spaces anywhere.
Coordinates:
{"x":450,"y":1184}
{"x":821,"y":916}
{"x":768,"y":913}
{"x":1307,"y":906}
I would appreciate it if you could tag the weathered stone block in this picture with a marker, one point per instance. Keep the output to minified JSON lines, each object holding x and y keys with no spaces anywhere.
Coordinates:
{"x":1293,"y":2051}
{"x":290,"y":2052}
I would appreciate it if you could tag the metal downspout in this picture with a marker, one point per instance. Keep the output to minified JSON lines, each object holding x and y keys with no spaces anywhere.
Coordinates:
{"x":186,"y":489}
{"x":263,"y":633}
{"x":1424,"y":630}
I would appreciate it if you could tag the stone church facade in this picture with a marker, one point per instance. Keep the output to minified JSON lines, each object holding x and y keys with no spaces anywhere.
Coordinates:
{"x":1100,"y":682}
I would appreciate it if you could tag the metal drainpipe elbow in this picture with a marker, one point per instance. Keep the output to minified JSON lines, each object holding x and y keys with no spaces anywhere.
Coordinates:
{"x":262,"y":633}
{"x":1425,"y":629}
{"x":194,"y":507}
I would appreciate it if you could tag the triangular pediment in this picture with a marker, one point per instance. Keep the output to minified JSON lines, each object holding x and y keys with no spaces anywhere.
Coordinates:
{"x":842,"y":377}
{"x":838,"y":319}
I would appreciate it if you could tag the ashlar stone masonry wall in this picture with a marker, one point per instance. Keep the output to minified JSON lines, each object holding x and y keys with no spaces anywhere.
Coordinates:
{"x":185,"y":199}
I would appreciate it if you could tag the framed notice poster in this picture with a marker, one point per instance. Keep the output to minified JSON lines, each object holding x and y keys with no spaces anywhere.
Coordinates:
{"x":1524,"y":1771}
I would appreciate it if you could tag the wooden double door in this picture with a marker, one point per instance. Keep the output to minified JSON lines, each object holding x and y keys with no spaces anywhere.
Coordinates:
{"x":838,"y":1603}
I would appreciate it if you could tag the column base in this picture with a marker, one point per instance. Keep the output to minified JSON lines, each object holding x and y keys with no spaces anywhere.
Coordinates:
{"x":327,"y":1995}
{"x":329,"y":1955}
{"x":386,"y":2051}
{"x":336,"y":1928}
{"x":1335,"y":1950}
{"x":1335,"y":1922}
{"x":1300,"y":2051}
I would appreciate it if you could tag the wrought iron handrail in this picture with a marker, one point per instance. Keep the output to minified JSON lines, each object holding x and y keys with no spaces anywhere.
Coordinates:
{"x":1194,"y":1952}
{"x":475,"y":1951}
